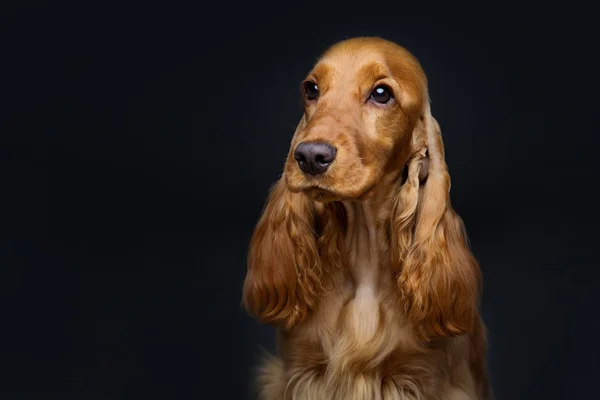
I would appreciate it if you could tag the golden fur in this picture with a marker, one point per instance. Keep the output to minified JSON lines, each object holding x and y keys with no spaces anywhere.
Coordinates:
{"x":366,"y":269}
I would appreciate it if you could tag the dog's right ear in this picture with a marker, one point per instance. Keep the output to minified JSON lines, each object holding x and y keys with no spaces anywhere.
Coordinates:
{"x":284,"y":272}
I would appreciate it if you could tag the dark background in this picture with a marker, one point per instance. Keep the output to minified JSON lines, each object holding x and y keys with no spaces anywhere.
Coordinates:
{"x":139,"y":140}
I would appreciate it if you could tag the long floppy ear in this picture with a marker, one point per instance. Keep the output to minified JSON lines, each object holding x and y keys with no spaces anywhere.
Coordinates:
{"x":437,"y":274}
{"x":284,"y":270}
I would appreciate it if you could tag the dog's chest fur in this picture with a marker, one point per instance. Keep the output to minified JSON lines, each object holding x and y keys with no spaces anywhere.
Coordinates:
{"x":357,"y":327}
{"x":357,"y":343}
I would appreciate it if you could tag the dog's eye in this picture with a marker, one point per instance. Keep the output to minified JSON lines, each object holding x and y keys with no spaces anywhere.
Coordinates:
{"x":381,"y":94}
{"x":311,"y":90}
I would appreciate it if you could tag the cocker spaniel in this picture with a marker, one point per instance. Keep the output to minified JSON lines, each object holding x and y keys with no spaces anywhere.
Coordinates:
{"x":358,"y":257}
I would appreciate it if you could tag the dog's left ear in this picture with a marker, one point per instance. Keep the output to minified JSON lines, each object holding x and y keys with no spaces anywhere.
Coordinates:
{"x":436,"y":272}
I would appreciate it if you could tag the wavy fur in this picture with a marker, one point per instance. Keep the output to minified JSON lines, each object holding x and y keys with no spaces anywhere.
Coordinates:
{"x":365,"y":269}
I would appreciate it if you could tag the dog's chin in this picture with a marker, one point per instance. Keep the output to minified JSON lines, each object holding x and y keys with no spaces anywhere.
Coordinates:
{"x":314,"y":191}
{"x":322,"y":195}
{"x":325,"y":194}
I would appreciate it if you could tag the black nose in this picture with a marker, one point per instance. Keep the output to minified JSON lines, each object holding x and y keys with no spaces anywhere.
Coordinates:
{"x":314,"y":157}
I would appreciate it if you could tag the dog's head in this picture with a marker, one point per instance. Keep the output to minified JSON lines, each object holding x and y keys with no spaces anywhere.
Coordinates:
{"x":365,"y":110}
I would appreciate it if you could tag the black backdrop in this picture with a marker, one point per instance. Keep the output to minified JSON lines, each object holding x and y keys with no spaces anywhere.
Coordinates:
{"x":139,"y":142}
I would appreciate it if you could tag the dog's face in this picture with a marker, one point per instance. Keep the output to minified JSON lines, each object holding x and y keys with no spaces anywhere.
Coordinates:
{"x":362,"y":101}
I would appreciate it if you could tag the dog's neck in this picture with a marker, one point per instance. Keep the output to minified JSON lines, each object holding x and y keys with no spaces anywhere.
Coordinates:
{"x":366,"y":259}
{"x":365,"y":245}
{"x":361,"y":245}
{"x":366,"y":242}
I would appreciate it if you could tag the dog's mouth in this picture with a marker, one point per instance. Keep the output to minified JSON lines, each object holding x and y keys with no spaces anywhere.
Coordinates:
{"x":324,"y":193}
{"x":333,"y":185}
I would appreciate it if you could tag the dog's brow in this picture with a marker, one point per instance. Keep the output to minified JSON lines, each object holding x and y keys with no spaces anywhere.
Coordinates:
{"x":320,"y":72}
{"x":373,"y":72}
